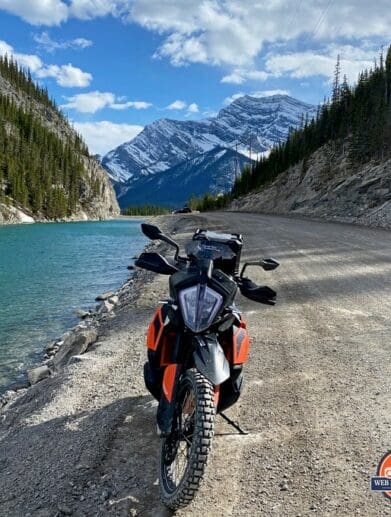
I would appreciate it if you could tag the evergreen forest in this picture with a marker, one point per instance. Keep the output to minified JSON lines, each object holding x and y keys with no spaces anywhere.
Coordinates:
{"x":40,"y":171}
{"x":358,"y":117}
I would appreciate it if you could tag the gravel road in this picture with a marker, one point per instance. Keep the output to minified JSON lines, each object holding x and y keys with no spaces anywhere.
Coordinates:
{"x":316,"y":401}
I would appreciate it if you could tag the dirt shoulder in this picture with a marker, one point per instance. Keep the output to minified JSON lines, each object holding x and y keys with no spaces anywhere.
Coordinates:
{"x":316,"y":400}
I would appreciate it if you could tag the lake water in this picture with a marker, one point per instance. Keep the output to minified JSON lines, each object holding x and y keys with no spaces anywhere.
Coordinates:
{"x":47,"y":271}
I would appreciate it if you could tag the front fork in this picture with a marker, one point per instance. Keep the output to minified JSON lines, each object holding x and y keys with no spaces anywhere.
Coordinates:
{"x":166,"y":408}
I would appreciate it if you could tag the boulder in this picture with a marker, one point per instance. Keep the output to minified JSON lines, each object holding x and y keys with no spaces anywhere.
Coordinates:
{"x":38,"y":374}
{"x":80,"y":313}
{"x":108,"y":306}
{"x":74,"y":344}
{"x":114,"y":300}
{"x":104,"y":296}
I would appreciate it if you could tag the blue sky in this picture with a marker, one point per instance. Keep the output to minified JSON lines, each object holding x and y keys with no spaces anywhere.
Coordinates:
{"x":116,"y":65}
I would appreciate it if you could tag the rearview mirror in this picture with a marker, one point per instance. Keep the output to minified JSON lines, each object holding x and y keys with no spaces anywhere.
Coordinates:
{"x":152,"y":232}
{"x":267,"y":264}
{"x":156,"y":263}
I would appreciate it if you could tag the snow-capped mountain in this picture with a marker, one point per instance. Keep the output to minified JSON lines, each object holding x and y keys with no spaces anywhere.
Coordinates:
{"x":247,"y":123}
{"x":213,"y":171}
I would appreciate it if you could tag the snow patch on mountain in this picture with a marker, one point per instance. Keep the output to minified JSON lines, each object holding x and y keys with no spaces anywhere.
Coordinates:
{"x":249,"y":122}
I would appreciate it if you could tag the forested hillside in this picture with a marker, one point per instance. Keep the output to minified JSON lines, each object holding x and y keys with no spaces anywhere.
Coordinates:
{"x":352,"y":129}
{"x":45,"y":166}
{"x":361,"y":115}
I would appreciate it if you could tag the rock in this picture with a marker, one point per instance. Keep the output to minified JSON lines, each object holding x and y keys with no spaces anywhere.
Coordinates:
{"x":74,"y":344}
{"x":104,"y":296}
{"x":108,"y":306}
{"x":75,"y":359}
{"x":64,"y":509}
{"x":284,"y":486}
{"x":114,"y":300}
{"x":80,"y":313}
{"x":131,"y":267}
{"x":38,"y":374}
{"x":7,"y":397}
{"x":52,"y":347}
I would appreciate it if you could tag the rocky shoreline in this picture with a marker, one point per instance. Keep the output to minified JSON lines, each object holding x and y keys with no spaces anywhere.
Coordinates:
{"x":11,"y":215}
{"x":72,"y":343}
{"x":79,"y":339}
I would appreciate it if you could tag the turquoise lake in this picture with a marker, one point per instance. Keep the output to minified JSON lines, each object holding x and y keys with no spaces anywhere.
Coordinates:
{"x":47,"y":271}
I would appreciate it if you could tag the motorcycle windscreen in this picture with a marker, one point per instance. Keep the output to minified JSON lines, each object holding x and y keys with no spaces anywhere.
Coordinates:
{"x":210,"y":360}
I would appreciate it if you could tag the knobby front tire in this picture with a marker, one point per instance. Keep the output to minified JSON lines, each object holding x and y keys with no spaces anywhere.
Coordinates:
{"x":190,"y":440}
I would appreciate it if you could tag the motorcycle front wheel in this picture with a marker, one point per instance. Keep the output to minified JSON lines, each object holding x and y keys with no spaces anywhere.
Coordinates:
{"x":184,"y":453}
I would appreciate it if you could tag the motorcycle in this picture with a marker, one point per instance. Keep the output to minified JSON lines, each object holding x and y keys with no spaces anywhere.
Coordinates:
{"x":197,"y":344}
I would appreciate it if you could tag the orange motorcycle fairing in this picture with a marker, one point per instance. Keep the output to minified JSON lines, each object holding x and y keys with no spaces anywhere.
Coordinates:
{"x":155,"y":330}
{"x":169,"y":381}
{"x":240,"y":344}
{"x":216,"y":396}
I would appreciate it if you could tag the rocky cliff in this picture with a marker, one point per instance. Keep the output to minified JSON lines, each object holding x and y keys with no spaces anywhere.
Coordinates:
{"x":46,"y":172}
{"x":326,"y":186}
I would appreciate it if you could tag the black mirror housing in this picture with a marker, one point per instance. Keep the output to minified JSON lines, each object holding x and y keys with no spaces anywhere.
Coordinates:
{"x":152,"y":232}
{"x":269,"y":264}
{"x":155,"y":234}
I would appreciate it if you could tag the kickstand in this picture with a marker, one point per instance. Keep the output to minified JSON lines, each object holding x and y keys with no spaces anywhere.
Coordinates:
{"x":234,"y":424}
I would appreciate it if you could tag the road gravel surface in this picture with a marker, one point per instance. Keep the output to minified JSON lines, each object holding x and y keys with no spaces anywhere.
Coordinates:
{"x":316,"y":402}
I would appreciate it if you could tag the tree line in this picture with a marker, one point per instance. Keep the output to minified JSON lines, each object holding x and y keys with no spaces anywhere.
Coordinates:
{"x":145,"y":210}
{"x":39,"y":170}
{"x":358,"y":117}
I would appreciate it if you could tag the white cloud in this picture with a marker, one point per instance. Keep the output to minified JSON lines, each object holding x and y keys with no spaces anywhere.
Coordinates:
{"x":90,"y":9}
{"x":121,"y":105}
{"x":193,"y":108}
{"x":45,"y":41}
{"x":103,"y":136}
{"x":231,"y":98}
{"x":233,"y":32}
{"x":30,"y":61}
{"x":300,"y":65}
{"x":239,"y":76}
{"x":91,"y":102}
{"x":177,"y":105}
{"x":269,"y":93}
{"x":37,"y":12}
{"x":67,"y":76}
{"x":261,"y":93}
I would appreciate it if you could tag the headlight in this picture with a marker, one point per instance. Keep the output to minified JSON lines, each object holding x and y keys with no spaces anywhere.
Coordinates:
{"x":199,"y":305}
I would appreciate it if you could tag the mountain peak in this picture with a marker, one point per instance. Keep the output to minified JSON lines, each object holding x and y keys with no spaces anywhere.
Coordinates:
{"x":249,"y":121}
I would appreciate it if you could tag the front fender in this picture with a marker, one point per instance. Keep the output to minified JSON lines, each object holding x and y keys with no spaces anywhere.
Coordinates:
{"x":210,"y":360}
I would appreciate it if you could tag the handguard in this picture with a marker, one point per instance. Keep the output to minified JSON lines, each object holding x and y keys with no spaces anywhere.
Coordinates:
{"x":261,"y":294}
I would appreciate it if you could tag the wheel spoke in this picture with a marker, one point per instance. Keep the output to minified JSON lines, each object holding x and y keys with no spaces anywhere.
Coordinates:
{"x":180,"y":476}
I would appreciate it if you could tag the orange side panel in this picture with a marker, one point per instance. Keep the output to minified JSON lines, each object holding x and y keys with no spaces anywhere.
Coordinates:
{"x":169,"y":381}
{"x":216,"y":396}
{"x":241,"y":344}
{"x":155,"y":330}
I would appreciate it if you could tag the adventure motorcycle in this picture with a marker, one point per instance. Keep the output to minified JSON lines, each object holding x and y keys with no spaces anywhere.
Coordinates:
{"x":197,"y":344}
